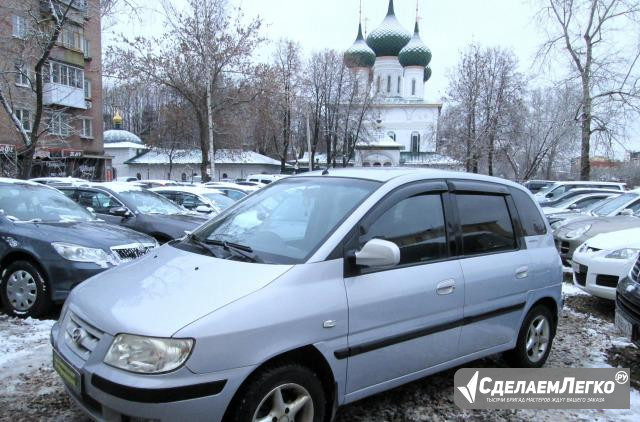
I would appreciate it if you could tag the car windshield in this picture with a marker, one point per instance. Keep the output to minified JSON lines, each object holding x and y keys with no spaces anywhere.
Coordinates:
{"x":286,"y":222}
{"x":150,"y":203}
{"x":222,"y":201}
{"x":36,"y":203}
{"x":615,"y":204}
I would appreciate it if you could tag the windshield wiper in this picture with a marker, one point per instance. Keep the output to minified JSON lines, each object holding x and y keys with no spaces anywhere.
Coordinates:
{"x":202,"y":244}
{"x":33,"y":220}
{"x":242,"y":251}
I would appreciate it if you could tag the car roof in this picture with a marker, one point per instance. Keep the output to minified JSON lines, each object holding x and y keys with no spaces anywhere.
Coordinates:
{"x":189,"y":189}
{"x":7,"y":181}
{"x":385,"y":174}
{"x":592,"y":182}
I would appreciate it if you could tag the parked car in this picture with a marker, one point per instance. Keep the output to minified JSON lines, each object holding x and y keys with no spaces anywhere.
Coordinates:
{"x":49,"y":244}
{"x":602,"y":261}
{"x":61,"y":181}
{"x":265,"y":179}
{"x":575,"y":192}
{"x":578,"y":202}
{"x":625,"y":204}
{"x":199,"y":199}
{"x":570,"y":236}
{"x":628,"y":305}
{"x":558,"y":188}
{"x":156,"y":183}
{"x":136,"y":208}
{"x":126,"y":179}
{"x":317,"y":291}
{"x":535,"y":186}
{"x":232,"y":190}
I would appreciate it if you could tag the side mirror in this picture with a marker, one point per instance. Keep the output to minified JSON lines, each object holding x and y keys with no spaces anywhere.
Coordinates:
{"x":378,"y":253}
{"x":549,"y":195}
{"x":628,"y":212}
{"x":203,"y":209}
{"x":119,"y":211}
{"x":573,"y":206}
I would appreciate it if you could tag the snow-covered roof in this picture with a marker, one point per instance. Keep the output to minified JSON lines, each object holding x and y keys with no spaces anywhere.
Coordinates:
{"x":118,"y":135}
{"x":385,"y":142}
{"x":317,"y":158}
{"x":428,"y":159}
{"x":124,"y":145}
{"x":194,"y":156}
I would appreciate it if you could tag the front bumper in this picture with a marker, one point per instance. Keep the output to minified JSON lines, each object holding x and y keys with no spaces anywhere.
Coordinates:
{"x":64,"y":275}
{"x":598,"y":275}
{"x":107,"y":393}
{"x":628,"y":306}
{"x":566,"y":249}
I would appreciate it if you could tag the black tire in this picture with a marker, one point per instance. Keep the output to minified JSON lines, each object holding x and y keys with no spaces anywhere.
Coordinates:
{"x":245,"y":405}
{"x":519,"y":357}
{"x":42,"y":303}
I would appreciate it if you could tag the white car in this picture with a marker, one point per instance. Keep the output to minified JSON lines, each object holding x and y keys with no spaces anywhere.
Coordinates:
{"x":602,"y":261}
{"x":578,"y":203}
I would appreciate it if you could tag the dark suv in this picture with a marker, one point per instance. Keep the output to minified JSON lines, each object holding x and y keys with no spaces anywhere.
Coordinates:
{"x":136,"y":208}
{"x":49,"y":244}
{"x":628,"y":305}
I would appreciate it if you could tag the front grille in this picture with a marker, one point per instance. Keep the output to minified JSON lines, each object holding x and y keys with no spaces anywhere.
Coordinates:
{"x":635,"y":272}
{"x":81,"y":337}
{"x":127,"y":253}
{"x":607,"y":280}
{"x":627,"y":306}
{"x":581,"y":275}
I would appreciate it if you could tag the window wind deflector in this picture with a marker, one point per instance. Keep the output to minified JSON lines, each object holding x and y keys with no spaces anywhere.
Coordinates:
{"x":478,"y":187}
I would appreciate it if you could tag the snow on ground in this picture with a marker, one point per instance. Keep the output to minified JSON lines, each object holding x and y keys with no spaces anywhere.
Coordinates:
{"x":30,"y":390}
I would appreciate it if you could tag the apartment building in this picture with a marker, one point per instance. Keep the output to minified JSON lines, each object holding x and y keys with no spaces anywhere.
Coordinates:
{"x":72,"y":142}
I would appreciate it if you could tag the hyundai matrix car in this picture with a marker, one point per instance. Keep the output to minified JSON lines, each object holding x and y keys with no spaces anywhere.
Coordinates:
{"x":137,"y":208}
{"x":314,"y":292}
{"x":49,"y":244}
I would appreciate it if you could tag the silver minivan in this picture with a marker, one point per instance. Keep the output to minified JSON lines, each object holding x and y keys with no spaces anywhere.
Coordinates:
{"x":314,"y":292}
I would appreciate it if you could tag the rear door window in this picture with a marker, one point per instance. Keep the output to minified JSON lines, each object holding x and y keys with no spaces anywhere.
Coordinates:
{"x":486,"y":224}
{"x":101,"y":202}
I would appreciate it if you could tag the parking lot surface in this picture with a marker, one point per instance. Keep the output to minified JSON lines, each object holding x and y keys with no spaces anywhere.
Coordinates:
{"x":30,"y":390}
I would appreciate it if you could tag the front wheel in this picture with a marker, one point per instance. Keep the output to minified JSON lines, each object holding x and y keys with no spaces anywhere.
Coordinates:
{"x":24,"y":291}
{"x":534,"y":340}
{"x":289,"y":392}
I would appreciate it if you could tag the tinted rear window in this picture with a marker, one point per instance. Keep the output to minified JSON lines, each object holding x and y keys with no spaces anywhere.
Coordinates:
{"x":486,"y":224}
{"x":530,"y":218}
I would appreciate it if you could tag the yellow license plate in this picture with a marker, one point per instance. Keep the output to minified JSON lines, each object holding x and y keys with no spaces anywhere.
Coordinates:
{"x":69,"y":375}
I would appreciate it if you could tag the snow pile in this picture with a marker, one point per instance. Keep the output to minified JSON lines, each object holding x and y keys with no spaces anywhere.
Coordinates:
{"x":19,"y":337}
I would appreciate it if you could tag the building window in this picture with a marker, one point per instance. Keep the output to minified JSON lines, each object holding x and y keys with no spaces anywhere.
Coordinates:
{"x":59,"y":124}
{"x":392,"y":135}
{"x":413,"y":87}
{"x":72,"y":38}
{"x":65,"y":75}
{"x":415,"y":142}
{"x":22,"y":76}
{"x":87,"y":128}
{"x":24,"y":116}
{"x":378,"y":84}
{"x":399,"y":82}
{"x":19,"y":26}
{"x":87,"y":89}
{"x":389,"y":83}
{"x":86,"y":48}
{"x":183,"y":177}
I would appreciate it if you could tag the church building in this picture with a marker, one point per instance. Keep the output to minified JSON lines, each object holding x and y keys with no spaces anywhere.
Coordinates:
{"x":404,"y":127}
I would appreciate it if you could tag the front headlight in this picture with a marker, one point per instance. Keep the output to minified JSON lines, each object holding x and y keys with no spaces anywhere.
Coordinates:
{"x":148,"y":355}
{"x":625,"y":253}
{"x":83,"y":254}
{"x":575,"y":233}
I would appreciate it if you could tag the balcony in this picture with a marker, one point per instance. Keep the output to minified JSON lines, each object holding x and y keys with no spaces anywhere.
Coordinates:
{"x":64,"y":95}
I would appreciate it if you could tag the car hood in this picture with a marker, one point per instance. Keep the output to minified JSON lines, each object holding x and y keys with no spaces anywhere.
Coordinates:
{"x":164,"y":291}
{"x":91,"y":234}
{"x":600,"y":225}
{"x":629,"y":238}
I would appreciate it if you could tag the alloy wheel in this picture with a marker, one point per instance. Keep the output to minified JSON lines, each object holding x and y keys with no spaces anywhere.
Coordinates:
{"x":538,"y":337}
{"x":285,"y":403}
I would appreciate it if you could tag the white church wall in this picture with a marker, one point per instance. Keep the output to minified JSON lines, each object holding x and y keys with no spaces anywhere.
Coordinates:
{"x":414,"y":83}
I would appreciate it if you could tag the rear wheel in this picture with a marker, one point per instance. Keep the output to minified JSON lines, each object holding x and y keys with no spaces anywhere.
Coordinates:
{"x":24,"y":291}
{"x":534,"y":340}
{"x":288,"y":392}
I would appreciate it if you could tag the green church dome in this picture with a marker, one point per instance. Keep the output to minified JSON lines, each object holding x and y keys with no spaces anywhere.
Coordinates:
{"x":416,"y":53}
{"x":427,"y":73}
{"x":359,"y":54}
{"x":390,"y":37}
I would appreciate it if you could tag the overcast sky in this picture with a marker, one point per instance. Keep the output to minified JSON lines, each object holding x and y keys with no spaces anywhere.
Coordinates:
{"x":447,"y":27}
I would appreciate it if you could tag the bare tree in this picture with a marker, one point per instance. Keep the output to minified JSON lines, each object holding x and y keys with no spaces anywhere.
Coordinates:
{"x":38,"y":39}
{"x":604,"y":62}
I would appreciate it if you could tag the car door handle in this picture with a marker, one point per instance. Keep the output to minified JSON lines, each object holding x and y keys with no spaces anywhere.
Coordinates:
{"x":522,"y":272}
{"x":446,"y":287}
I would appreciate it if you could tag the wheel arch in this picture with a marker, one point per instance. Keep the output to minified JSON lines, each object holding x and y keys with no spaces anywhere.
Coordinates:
{"x":551,"y":304}
{"x":308,"y":356}
{"x":21,"y":255}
